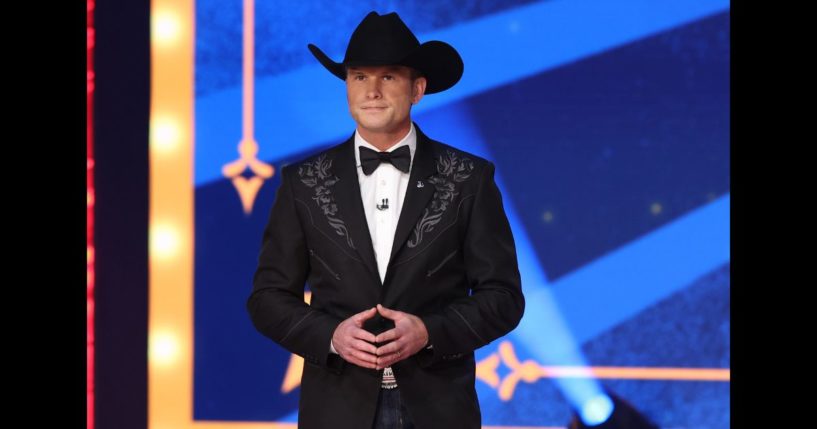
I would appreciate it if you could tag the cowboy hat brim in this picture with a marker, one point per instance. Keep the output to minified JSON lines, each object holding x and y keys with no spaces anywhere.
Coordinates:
{"x":438,"y":61}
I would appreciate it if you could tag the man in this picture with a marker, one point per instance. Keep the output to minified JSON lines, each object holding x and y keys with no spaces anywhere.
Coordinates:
{"x":404,"y":243}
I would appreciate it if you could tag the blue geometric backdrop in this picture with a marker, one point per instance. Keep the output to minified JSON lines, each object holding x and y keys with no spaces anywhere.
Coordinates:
{"x":609,"y":126}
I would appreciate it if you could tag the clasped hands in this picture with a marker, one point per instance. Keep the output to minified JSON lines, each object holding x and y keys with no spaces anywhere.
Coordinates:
{"x":356,"y":345}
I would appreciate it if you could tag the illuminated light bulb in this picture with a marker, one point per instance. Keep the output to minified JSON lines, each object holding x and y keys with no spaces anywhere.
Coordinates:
{"x":164,"y":242}
{"x":165,"y":136}
{"x":164,"y":348}
{"x":166,"y":28}
{"x":656,"y":208}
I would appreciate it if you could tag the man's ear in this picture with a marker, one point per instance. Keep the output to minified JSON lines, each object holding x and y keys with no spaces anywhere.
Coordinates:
{"x":418,"y":89}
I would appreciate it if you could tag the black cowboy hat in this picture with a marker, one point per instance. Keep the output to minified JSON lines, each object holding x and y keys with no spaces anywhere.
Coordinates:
{"x":386,"y":40}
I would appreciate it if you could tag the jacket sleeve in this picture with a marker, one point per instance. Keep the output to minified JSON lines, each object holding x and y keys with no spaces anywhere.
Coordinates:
{"x":276,"y":304}
{"x":496,"y":304}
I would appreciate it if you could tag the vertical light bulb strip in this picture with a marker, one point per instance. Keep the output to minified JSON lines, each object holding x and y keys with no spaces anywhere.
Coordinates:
{"x":171,"y":216}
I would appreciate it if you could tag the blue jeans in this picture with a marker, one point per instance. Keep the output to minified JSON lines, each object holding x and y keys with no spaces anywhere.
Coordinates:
{"x":391,"y":413}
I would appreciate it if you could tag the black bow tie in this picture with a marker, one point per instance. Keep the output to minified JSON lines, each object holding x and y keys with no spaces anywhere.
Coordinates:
{"x":371,"y":159}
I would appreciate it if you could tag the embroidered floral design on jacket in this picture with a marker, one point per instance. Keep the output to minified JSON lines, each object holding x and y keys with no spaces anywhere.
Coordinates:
{"x":451,"y":169}
{"x":318,"y":175}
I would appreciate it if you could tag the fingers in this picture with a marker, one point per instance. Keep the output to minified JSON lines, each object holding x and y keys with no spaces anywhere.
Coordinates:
{"x":363,"y":316}
{"x":362,"y":334}
{"x":388,"y":313}
{"x":357,"y":351}
{"x":346,"y":333}
{"x":390,"y":359}
{"x":367,"y":359}
{"x":392,"y":347}
{"x":365,"y":347}
{"x":354,"y":343}
{"x":393,"y":352}
{"x":362,"y":360}
{"x":391,"y":334}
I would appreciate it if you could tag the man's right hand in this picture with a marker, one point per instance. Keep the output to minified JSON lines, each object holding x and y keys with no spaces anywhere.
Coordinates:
{"x":355,"y":344}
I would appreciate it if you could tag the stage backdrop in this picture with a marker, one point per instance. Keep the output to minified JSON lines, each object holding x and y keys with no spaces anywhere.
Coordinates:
{"x":608,"y":123}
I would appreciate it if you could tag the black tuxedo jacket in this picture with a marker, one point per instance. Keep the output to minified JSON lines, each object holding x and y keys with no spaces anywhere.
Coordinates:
{"x":453,"y":264}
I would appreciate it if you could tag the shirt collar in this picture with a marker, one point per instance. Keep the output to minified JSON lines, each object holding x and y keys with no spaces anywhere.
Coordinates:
{"x":410,"y":139}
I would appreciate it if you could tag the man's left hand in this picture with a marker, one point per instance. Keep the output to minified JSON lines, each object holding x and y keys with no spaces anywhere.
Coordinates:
{"x":408,"y":337}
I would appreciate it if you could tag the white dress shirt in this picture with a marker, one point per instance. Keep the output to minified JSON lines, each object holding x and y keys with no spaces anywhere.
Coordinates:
{"x":386,"y":185}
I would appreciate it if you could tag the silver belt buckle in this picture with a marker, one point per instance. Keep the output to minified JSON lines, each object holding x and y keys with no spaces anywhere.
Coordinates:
{"x":388,"y":381}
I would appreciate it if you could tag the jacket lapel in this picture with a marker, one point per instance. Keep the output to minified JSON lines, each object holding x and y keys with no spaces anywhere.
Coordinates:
{"x":417,"y":198}
{"x":351,"y":205}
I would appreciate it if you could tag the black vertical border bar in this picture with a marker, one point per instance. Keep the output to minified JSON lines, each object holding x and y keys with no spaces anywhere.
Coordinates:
{"x":121,"y":128}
